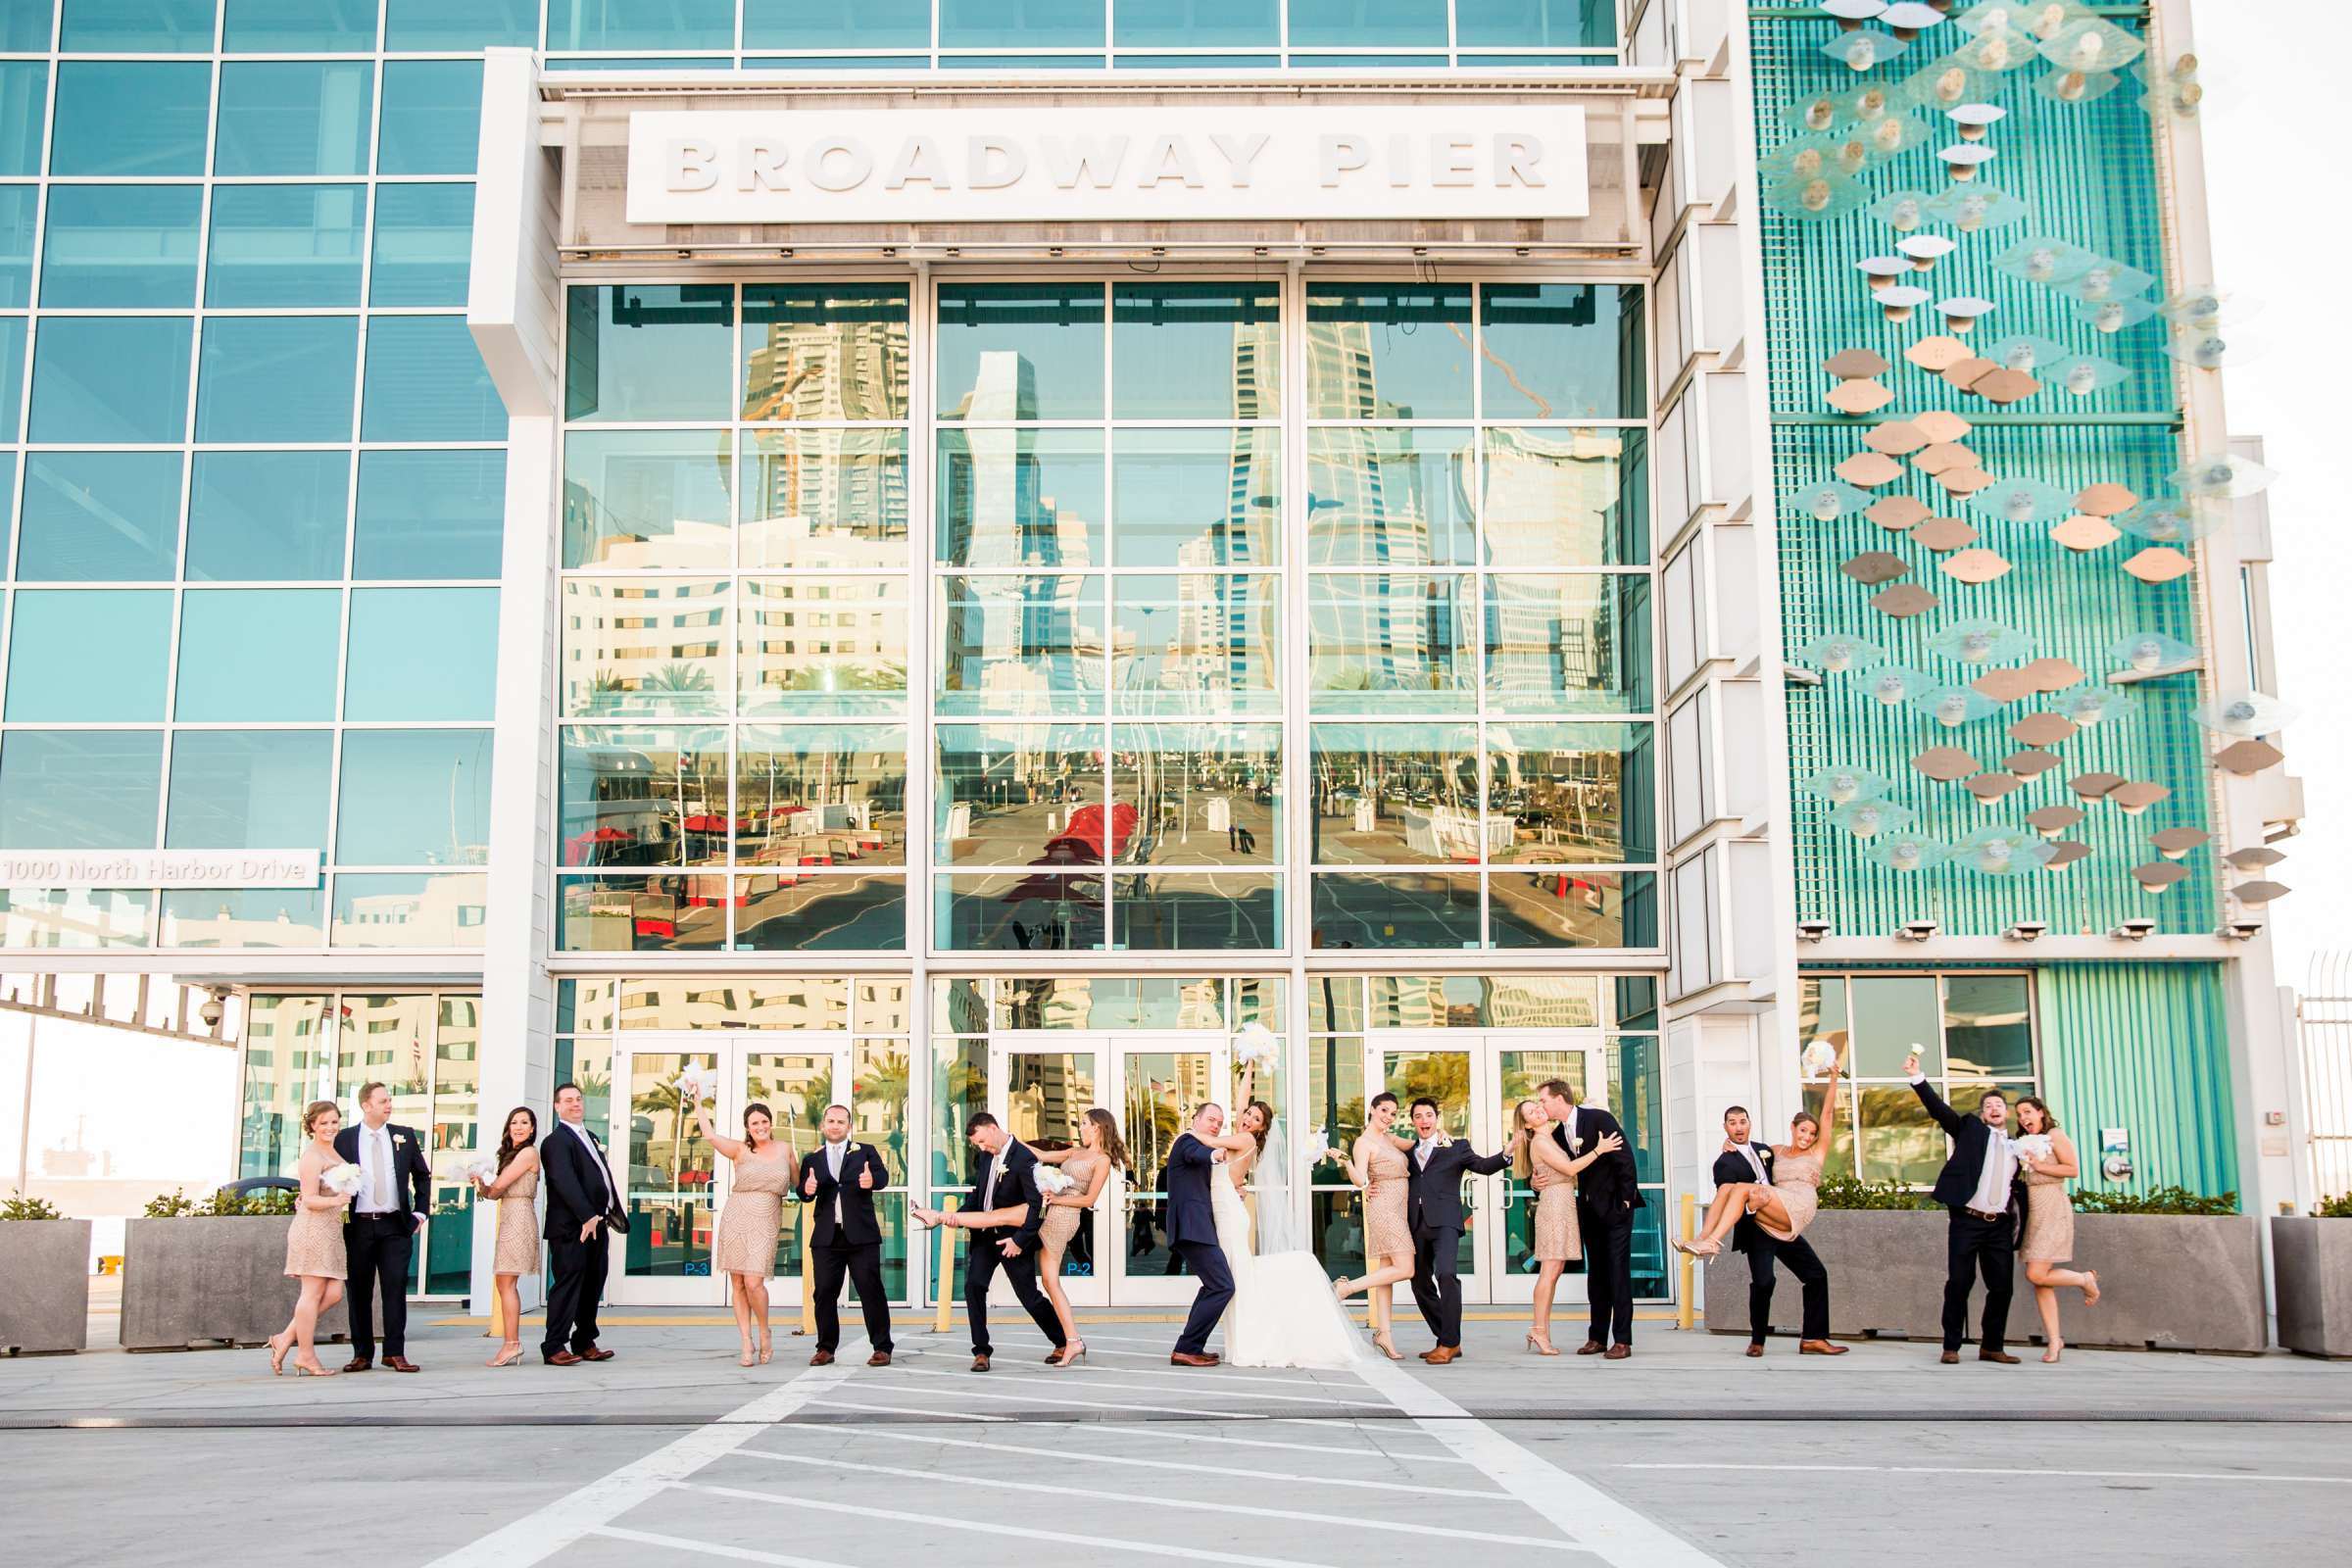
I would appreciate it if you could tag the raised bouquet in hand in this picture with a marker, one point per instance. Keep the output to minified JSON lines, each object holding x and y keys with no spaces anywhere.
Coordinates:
{"x":1256,"y":1046}
{"x":482,"y":1167}
{"x":1819,"y":1058}
{"x":1052,"y":1183}
{"x":341,"y":1180}
{"x":690,"y":1086}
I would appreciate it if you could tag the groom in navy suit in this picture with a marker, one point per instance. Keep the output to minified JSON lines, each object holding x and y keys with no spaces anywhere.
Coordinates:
{"x":1192,"y":1234}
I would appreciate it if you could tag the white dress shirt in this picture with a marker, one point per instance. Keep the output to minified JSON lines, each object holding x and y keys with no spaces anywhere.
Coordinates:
{"x":379,"y":1187}
{"x":833,"y":1156}
{"x":596,"y":1158}
{"x":996,"y":1169}
{"x":1755,"y":1163}
{"x":1421,"y":1152}
{"x":1992,"y":1195}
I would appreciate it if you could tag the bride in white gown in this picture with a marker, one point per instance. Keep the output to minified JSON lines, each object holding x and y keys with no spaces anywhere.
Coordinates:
{"x":1283,"y":1313}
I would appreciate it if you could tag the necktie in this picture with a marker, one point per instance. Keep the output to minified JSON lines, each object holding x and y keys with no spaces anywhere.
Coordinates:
{"x":1424,"y":1153}
{"x":382,"y":1141}
{"x":1756,"y":1161}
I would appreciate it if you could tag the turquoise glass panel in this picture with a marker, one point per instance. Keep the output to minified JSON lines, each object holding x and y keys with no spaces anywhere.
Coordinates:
{"x":1389,"y":351}
{"x":284,"y":245}
{"x":278,"y":379}
{"x":19,"y":206}
{"x":428,"y":653}
{"x":132,"y":116}
{"x":24,"y":110}
{"x":1021,"y":351}
{"x":25,"y":25}
{"x":432,"y":117}
{"x":1020,"y":24}
{"x":426,"y":382}
{"x":1362,"y":24}
{"x":1195,"y":350}
{"x":835,"y":63}
{"x":1013,"y":63}
{"x":1535,"y":23}
{"x":430,"y":515}
{"x":1196,"y":62}
{"x":1334,"y":62}
{"x":298,"y":26}
{"x":136,"y":27}
{"x":128,"y":246}
{"x":90,"y":656}
{"x":294,"y":116}
{"x":1199,"y":25}
{"x":8,"y":509}
{"x":12,"y":375}
{"x":423,"y":245}
{"x":413,"y":797}
{"x":648,"y":353}
{"x":645,"y":63}
{"x":641,"y":24}
{"x":101,"y":516}
{"x":461,"y":24}
{"x":1561,"y":351}
{"x":243,"y":789}
{"x":80,"y":789}
{"x":105,"y":381}
{"x":835,"y":25}
{"x":268,"y":517}
{"x":257,"y":655}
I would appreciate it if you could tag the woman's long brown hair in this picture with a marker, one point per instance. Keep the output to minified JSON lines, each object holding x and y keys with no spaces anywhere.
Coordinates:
{"x":507,"y":1149}
{"x":1106,"y":1129}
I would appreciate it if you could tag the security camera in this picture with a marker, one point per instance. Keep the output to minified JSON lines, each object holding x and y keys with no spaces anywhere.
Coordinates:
{"x":210,"y":1012}
{"x":1918,"y":930}
{"x":2239,"y":930}
{"x":2132,"y":930}
{"x":1812,"y":930}
{"x":2028,"y":931}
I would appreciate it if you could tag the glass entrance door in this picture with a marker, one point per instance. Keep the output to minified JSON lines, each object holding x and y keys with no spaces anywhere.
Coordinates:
{"x":1520,"y":1065}
{"x":1042,"y":1094}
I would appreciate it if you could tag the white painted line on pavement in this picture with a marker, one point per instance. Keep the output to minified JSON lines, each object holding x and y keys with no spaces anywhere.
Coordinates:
{"x":711,"y":1548}
{"x":1170,"y":1435}
{"x":1240,"y":1373}
{"x":1145,"y":1499}
{"x":1989,"y":1470}
{"x":540,"y":1534}
{"x":1223,"y":1387}
{"x":925,"y":1411}
{"x":1041,"y":1400}
{"x":1598,"y":1521}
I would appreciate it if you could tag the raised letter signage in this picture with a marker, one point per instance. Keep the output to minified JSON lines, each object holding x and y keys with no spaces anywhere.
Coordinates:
{"x":159,"y":869}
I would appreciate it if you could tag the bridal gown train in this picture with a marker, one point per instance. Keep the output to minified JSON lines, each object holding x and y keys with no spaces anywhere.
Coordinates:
{"x":1283,"y":1312}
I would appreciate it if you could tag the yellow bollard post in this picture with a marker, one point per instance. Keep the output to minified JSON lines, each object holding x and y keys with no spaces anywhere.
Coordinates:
{"x":808,"y":1271}
{"x":498,"y":1314}
{"x":1685,"y":1313}
{"x":944,"y":1283}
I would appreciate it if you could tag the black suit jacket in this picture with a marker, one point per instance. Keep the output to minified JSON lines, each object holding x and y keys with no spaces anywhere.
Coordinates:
{"x":1019,"y":1185}
{"x":858,"y":1226}
{"x":1433,"y":1196}
{"x":1956,"y":1183}
{"x":1730,"y":1169}
{"x":1192,"y":1167}
{"x":1611,"y":1184}
{"x":575,"y":1193}
{"x":410,"y":1168}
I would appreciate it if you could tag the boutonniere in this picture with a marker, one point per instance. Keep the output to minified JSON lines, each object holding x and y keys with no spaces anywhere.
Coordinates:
{"x":400,"y":1140}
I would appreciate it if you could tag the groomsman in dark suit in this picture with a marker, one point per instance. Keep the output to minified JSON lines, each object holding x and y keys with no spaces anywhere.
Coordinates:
{"x":1432,"y":1208}
{"x":396,"y":1192}
{"x":1978,"y":1185}
{"x":583,"y":1210}
{"x":841,"y":1179}
{"x":1007,"y":1179}
{"x":1744,"y":1161}
{"x":1192,"y":1234}
{"x":1607,"y":1195}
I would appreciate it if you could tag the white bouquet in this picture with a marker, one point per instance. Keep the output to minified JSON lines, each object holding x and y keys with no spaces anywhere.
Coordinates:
{"x":482,"y":1167}
{"x":1819,"y":1058}
{"x":342,"y":1180}
{"x":690,"y":1085}
{"x":1052,"y":1183}
{"x":2034,"y":1145}
{"x":1256,"y":1046}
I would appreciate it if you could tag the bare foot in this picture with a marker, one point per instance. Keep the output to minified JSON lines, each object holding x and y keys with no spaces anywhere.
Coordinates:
{"x":2091,"y":1292}
{"x":278,"y":1352}
{"x":1339,"y":1287}
{"x":2051,"y":1354}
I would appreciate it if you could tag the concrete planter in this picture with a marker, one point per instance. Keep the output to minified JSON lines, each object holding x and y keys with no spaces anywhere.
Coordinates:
{"x":188,"y":1283}
{"x":44,"y":1285}
{"x":2310,"y":1264}
{"x":2178,"y":1281}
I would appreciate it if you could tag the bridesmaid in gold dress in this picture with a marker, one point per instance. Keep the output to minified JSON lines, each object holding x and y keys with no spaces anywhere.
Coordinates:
{"x":751,"y":1220}
{"x":1376,"y":1165}
{"x":1783,"y":1206}
{"x":1100,"y":1152}
{"x":515,"y":1186}
{"x":1539,"y":1160}
{"x":2047,"y":1158}
{"x":313,"y":1244}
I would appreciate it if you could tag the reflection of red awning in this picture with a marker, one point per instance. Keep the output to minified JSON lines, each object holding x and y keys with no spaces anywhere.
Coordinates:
{"x":1080,"y":842}
{"x":580,"y":842}
{"x":705,"y":824}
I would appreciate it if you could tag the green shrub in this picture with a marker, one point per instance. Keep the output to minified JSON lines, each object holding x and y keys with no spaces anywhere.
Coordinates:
{"x":1846,"y":1191}
{"x":2338,"y":1207}
{"x":18,"y":1207}
{"x":2173,"y":1200}
{"x":177,"y":1204}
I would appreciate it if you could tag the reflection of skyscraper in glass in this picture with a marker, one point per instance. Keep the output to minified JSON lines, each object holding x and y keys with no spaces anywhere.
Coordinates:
{"x":1549,"y":500}
{"x":832,"y":486}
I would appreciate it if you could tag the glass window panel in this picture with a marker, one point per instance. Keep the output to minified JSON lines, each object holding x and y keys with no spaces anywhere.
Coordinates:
{"x":432,"y":121}
{"x":413,"y":797}
{"x":410,"y":910}
{"x":123,"y":117}
{"x":1565,"y":498}
{"x":820,"y":794}
{"x":635,"y":500}
{"x":642,"y":797}
{"x":423,"y":245}
{"x":1109,"y":1002}
{"x":1568,"y":644}
{"x":1041,"y":911}
{"x":1021,"y":351}
{"x":1335,"y":1001}
{"x":457,"y":1112}
{"x":257,"y":655}
{"x":824,"y":352}
{"x":1899,"y":1141}
{"x":249,"y":789}
{"x":430,"y":515}
{"x":12,"y":369}
{"x":1433,"y":909}
{"x":638,"y":914}
{"x":1892,"y":1014}
{"x":19,"y":210}
{"x":294,"y":116}
{"x":835,"y":25}
{"x":286,"y":245}
{"x":1571,"y":792}
{"x":8,"y":508}
{"x":1354,"y":24}
{"x":823,"y":646}
{"x":1020,"y":24}
{"x":79,"y":789}
{"x":1574,"y":908}
{"x":298,"y":26}
{"x":1201,"y":793}
{"x":1969,"y":1097}
{"x":1374,"y":641}
{"x":89,"y":657}
{"x":1197,"y":910}
{"x":107,"y":382}
{"x":426,"y":382}
{"x":958,"y":1093}
{"x":1821,"y":1012}
{"x":800,"y":911}
{"x":1195,"y":350}
{"x":24,"y":112}
{"x":278,"y":379}
{"x":1988,"y":1025}
{"x":1536,"y":23}
{"x":100,"y":517}
{"x":801,"y":1002}
{"x":1195,"y":23}
{"x":1024,"y":795}
{"x":648,"y":353}
{"x":1028,"y":497}
{"x":259,"y":517}
{"x":1396,"y":794}
{"x":1396,"y":497}
{"x":421,"y":654}
{"x":1561,"y":351}
{"x":461,"y":24}
{"x":641,"y":24}
{"x":644,"y":62}
{"x":136,"y":27}
{"x":1381,"y":351}
{"x":1196,"y":642}
{"x":1196,"y":498}
{"x":1021,"y":62}
{"x":1015,"y":644}
{"x":73,"y":917}
{"x":121,"y":245}
{"x":646,"y":649}
{"x":824,"y":499}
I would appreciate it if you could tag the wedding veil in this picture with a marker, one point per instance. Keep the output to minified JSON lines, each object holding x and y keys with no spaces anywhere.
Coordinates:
{"x":1278,"y":1227}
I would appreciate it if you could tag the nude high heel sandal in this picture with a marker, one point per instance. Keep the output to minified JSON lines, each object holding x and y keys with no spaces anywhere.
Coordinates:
{"x":1540,"y":1347}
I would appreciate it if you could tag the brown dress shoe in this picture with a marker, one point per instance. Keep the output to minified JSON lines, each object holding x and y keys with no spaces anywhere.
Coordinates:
{"x":1187,"y":1359}
{"x":1950,"y":1358}
{"x":979,"y":1363}
{"x":596,"y":1353}
{"x":1590,"y":1348}
{"x":821,"y":1359}
{"x":2002,"y":1356}
{"x":1052,"y":1355}
{"x":1444,"y":1355}
{"x":359,"y":1363}
{"x":1617,"y":1353}
{"x":562,"y":1358}
{"x":1755,"y":1350}
{"x":879,"y":1358}
{"x":1821,"y":1348}
{"x":401,"y":1363}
